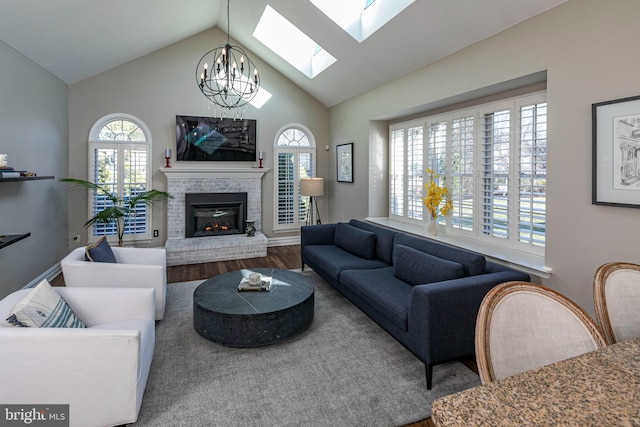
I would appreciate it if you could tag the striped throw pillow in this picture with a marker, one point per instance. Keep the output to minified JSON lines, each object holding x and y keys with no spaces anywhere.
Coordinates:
{"x":43,"y":307}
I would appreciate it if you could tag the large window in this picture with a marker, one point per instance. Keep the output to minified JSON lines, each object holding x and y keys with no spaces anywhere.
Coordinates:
{"x":492,"y":157}
{"x":119,"y":153}
{"x":295,"y":157}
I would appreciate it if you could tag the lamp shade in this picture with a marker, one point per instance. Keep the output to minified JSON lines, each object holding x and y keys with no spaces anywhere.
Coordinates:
{"x":312,"y":186}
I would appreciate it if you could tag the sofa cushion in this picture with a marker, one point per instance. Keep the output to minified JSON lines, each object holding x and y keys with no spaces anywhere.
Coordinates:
{"x":472,"y":263}
{"x":384,"y":239}
{"x":99,"y":251}
{"x":417,"y":268}
{"x":43,"y":307}
{"x":379,"y":289}
{"x":359,"y":242}
{"x":332,"y":260}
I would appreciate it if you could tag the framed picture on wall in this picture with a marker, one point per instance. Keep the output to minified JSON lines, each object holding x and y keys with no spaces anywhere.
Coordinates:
{"x":616,"y":152}
{"x":344,"y":158}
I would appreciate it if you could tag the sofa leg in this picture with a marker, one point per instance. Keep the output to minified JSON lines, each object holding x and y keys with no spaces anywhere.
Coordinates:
{"x":302,"y":266}
{"x":428,"y":370}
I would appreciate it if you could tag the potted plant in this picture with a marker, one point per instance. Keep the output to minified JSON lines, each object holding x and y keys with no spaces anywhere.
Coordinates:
{"x":122,"y":208}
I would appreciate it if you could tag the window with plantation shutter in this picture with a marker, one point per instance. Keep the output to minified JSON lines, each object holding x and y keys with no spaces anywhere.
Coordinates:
{"x":491,"y":157}
{"x":396,"y":172}
{"x":532,"y":182}
{"x":295,"y":157}
{"x":119,"y":153}
{"x":461,"y":187}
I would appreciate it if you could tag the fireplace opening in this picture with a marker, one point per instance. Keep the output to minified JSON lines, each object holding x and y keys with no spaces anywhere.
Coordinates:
{"x":215,"y":214}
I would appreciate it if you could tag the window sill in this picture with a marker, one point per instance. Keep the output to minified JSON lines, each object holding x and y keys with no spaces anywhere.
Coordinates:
{"x":531,"y":264}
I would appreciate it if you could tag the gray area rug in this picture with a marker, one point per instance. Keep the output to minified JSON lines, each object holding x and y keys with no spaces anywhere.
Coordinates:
{"x":342,"y":371}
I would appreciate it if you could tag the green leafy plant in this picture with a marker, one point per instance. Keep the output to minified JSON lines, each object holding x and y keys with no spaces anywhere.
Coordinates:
{"x":123,"y":208}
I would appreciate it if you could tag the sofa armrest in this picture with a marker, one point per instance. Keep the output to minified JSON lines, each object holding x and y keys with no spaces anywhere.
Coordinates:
{"x":150,"y":256}
{"x":102,"y":305}
{"x":94,"y":371}
{"x":442,"y":315}
{"x":104,"y":274}
{"x":321,"y":234}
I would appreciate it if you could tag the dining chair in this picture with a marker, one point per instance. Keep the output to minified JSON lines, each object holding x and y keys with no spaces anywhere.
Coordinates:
{"x":523,"y":326}
{"x":616,"y":297}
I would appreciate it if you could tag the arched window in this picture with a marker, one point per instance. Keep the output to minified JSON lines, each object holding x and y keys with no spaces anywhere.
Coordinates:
{"x":119,"y":154}
{"x":295,"y":157}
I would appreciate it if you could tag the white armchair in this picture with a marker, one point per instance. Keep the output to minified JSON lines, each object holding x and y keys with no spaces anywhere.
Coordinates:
{"x":135,"y":268}
{"x":101,"y":371}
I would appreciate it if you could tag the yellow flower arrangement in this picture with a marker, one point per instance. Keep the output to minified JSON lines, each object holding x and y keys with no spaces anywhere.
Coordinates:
{"x":435,"y":195}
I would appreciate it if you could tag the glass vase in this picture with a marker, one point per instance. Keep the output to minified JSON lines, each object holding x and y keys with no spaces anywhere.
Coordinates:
{"x":432,"y":227}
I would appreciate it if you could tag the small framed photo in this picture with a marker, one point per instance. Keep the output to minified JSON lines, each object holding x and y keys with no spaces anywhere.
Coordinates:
{"x":344,"y":157}
{"x":616,"y":152}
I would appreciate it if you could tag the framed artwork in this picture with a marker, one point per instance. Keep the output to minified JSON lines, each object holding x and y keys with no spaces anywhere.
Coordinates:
{"x":616,"y":152}
{"x":344,"y":157}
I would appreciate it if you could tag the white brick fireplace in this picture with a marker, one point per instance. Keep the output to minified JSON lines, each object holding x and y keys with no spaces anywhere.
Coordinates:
{"x":181,"y":181}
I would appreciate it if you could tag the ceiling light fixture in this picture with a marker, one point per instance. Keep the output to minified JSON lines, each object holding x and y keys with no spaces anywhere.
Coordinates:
{"x":232,"y":80}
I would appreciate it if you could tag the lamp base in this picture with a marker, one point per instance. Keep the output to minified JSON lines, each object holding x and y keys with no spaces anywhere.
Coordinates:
{"x":310,"y":209}
{"x":167,"y":165}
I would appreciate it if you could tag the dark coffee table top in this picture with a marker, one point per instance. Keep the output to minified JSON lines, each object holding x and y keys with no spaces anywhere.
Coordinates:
{"x":235,"y":318}
{"x":220,"y":293}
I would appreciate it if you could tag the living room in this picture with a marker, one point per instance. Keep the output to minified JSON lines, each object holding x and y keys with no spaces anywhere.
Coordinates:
{"x":581,"y":52}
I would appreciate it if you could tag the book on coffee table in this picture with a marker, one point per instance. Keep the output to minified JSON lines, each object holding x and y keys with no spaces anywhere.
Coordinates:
{"x":264,"y":285}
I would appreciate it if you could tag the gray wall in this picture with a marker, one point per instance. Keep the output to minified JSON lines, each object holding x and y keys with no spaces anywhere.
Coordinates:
{"x":160,"y":85}
{"x":34,"y":129}
{"x":586,"y":48}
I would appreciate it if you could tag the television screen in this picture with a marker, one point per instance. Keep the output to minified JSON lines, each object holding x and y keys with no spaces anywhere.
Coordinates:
{"x":215,"y":139}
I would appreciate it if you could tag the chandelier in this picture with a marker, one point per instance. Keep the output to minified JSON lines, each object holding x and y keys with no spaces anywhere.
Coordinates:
{"x":232,"y":80}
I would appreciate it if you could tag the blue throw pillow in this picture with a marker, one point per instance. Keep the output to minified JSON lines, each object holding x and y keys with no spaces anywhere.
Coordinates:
{"x":355,"y":240}
{"x":417,"y":268}
{"x":472,"y":262}
{"x":99,"y":251}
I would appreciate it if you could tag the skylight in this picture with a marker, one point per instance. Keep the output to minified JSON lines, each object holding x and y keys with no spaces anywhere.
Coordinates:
{"x":361,"y":18}
{"x":291,"y":44}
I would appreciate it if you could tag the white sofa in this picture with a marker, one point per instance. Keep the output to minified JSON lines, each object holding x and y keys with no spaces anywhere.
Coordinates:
{"x":135,"y":268}
{"x":101,"y":371}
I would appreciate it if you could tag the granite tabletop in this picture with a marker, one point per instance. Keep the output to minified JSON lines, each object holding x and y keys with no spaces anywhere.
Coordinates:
{"x":600,"y":388}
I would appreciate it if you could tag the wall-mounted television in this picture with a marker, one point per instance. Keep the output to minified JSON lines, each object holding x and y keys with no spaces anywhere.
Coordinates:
{"x":215,"y":139}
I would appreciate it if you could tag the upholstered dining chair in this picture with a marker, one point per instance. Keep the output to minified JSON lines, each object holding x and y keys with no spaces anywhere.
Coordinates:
{"x":616,"y":297}
{"x":522,"y":326}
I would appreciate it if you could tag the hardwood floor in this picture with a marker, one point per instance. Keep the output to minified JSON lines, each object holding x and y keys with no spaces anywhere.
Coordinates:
{"x":285,"y":257}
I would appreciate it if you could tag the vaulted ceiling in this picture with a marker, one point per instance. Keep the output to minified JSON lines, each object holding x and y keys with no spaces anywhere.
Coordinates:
{"x":77,"y":39}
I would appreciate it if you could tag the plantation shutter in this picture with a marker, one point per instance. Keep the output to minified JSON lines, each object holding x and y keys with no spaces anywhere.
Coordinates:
{"x":415,"y":172}
{"x":437,"y":154}
{"x":533,"y":174}
{"x":495,"y":174}
{"x":462,"y":184}
{"x":396,"y":173}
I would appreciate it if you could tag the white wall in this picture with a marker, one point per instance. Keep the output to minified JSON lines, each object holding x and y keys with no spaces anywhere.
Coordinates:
{"x":587,"y":48}
{"x":161,"y":85}
{"x":33,"y":122}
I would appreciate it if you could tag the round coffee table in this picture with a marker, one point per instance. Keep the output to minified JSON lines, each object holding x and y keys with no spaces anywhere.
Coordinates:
{"x":235,"y":318}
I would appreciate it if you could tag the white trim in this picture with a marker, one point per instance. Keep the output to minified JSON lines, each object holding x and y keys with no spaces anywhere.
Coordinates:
{"x":201,"y":172}
{"x":49,"y":274}
{"x":283,"y":241}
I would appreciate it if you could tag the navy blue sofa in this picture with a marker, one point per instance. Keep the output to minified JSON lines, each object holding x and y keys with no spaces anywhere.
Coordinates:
{"x":424,"y":293}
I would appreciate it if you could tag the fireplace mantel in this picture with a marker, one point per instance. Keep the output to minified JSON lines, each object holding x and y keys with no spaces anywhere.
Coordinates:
{"x":200,"y":172}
